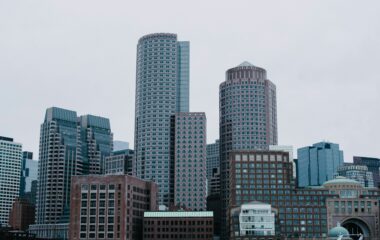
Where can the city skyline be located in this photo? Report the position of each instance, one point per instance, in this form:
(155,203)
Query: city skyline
(315,88)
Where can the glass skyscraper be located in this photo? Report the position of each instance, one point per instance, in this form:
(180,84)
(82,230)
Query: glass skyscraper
(29,174)
(162,89)
(69,145)
(247,119)
(318,163)
(10,171)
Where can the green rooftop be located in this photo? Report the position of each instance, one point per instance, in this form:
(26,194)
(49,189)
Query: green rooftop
(178,214)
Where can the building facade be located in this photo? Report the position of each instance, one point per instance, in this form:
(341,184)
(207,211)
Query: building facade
(247,118)
(252,219)
(22,214)
(120,162)
(10,173)
(373,165)
(110,206)
(190,160)
(288,149)
(96,141)
(29,174)
(213,158)
(69,145)
(318,163)
(178,225)
(353,206)
(266,176)
(359,173)
(162,80)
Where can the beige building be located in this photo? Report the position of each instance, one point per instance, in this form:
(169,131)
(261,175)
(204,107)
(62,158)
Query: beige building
(354,207)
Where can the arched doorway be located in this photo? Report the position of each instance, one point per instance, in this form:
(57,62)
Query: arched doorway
(356,227)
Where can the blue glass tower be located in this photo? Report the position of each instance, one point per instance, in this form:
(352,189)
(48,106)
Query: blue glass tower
(162,89)
(318,163)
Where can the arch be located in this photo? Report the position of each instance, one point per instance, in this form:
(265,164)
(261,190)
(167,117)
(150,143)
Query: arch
(356,226)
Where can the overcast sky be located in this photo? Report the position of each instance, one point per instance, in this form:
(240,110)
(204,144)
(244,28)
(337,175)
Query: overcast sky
(324,57)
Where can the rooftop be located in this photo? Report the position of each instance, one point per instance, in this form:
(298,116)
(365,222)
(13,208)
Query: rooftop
(178,214)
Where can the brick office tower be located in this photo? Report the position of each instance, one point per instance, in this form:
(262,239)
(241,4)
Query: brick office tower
(110,206)
(247,118)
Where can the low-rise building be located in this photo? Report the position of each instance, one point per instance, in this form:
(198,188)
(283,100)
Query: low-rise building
(110,206)
(253,219)
(178,225)
(22,214)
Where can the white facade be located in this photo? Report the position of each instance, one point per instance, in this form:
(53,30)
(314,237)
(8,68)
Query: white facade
(256,219)
(288,149)
(10,174)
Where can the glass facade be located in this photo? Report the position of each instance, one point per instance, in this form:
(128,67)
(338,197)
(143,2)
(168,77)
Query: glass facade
(69,145)
(162,83)
(318,163)
(29,174)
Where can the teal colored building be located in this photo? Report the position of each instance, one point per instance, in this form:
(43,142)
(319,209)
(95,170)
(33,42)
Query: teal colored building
(318,163)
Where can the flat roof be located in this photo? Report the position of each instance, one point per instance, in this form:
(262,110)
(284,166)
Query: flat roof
(178,214)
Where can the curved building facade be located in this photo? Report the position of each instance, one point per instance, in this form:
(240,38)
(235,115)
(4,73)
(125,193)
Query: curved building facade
(247,116)
(162,89)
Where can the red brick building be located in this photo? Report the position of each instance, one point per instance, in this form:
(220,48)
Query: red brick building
(22,214)
(110,206)
(178,225)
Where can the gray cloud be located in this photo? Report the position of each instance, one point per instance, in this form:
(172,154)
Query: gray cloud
(322,55)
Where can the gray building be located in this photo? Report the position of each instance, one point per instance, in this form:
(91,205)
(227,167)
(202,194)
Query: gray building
(69,145)
(29,174)
(247,118)
(189,160)
(359,173)
(10,169)
(162,89)
(373,165)
(318,163)
(120,162)
(213,158)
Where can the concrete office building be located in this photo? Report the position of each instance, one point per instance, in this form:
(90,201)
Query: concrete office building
(252,219)
(29,174)
(373,165)
(162,89)
(189,183)
(120,162)
(318,163)
(10,171)
(110,206)
(359,173)
(178,225)
(69,145)
(247,118)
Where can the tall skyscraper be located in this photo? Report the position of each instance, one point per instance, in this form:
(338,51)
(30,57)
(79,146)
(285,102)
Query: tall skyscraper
(10,170)
(248,118)
(29,174)
(162,89)
(189,160)
(68,146)
(318,163)
(373,165)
